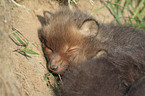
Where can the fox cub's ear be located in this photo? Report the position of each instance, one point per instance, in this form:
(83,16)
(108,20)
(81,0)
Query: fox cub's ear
(89,27)
(101,53)
(47,16)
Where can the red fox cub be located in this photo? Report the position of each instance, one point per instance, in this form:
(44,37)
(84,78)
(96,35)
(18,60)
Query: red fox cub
(72,37)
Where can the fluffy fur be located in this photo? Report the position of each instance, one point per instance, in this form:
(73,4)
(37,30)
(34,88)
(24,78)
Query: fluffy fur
(72,37)
(106,76)
(138,88)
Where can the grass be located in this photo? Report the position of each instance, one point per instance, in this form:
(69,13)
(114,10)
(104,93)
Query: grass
(135,10)
(22,42)
(51,81)
(131,12)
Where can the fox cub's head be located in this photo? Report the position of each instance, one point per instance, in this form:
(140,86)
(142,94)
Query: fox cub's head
(68,39)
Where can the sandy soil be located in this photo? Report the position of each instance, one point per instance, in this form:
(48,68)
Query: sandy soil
(20,76)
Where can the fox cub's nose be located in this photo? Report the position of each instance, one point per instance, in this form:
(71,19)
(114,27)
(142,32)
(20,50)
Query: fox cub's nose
(54,67)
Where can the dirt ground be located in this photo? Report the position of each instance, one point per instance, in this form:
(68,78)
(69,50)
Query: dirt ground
(20,76)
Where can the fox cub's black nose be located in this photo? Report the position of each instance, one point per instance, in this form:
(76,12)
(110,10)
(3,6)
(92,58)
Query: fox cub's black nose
(54,67)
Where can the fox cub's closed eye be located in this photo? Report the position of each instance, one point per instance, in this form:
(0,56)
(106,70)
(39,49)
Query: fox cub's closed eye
(72,50)
(48,50)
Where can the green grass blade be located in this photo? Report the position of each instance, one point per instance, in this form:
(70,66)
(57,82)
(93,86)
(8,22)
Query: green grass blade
(135,12)
(30,51)
(142,11)
(20,41)
(141,25)
(119,12)
(130,19)
(24,54)
(138,8)
(14,29)
(18,44)
(48,78)
(114,13)
(55,83)
(20,35)
(98,9)
(101,8)
(126,5)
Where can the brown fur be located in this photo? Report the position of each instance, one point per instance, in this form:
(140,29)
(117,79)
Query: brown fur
(70,38)
(105,76)
(138,88)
